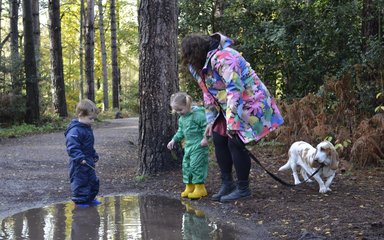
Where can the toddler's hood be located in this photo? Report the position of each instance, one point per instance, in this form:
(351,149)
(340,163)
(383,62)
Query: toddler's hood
(74,123)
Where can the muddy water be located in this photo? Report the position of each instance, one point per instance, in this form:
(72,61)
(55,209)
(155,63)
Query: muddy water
(119,217)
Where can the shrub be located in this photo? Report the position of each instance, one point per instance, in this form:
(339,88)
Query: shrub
(12,109)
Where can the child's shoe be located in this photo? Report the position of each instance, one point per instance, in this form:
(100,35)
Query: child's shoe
(199,213)
(189,188)
(188,207)
(95,202)
(199,192)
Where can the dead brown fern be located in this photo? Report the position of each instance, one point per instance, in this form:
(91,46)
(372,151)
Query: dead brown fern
(367,151)
(369,148)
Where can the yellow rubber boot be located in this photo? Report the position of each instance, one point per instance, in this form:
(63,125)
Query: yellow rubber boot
(199,192)
(199,213)
(188,207)
(189,188)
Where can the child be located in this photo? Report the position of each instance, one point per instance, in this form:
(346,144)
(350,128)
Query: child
(192,125)
(79,142)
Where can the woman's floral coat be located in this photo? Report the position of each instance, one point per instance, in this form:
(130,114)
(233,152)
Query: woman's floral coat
(228,80)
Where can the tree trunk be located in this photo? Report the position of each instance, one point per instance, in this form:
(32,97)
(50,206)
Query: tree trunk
(1,27)
(57,73)
(371,21)
(89,50)
(158,80)
(103,56)
(16,61)
(32,87)
(36,32)
(81,49)
(115,66)
(218,7)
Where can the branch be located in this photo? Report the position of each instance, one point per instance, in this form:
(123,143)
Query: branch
(5,40)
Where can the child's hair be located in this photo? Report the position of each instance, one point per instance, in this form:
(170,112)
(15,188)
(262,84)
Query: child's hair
(86,108)
(181,99)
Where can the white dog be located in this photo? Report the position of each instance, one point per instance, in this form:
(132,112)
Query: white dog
(309,159)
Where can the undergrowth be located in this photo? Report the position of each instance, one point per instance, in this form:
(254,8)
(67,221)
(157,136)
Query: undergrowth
(49,123)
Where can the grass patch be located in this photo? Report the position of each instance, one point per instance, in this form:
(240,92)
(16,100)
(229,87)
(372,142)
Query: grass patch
(140,178)
(51,123)
(24,129)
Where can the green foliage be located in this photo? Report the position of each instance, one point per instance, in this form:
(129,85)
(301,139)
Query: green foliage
(343,144)
(111,114)
(380,108)
(294,46)
(48,125)
(140,178)
(12,109)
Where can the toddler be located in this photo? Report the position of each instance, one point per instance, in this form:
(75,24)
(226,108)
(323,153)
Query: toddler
(82,155)
(192,124)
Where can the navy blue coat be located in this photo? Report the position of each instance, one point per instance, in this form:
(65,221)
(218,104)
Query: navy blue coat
(80,146)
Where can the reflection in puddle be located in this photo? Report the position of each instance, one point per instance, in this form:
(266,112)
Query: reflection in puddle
(119,217)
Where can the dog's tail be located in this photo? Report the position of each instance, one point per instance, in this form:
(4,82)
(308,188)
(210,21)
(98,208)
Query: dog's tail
(285,167)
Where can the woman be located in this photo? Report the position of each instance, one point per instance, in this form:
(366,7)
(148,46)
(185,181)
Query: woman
(239,108)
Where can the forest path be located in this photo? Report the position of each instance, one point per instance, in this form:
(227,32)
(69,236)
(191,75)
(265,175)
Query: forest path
(34,169)
(33,173)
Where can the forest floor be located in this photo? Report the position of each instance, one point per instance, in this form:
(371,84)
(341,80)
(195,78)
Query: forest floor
(33,173)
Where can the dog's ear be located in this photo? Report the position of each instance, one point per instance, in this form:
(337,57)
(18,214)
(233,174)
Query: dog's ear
(334,158)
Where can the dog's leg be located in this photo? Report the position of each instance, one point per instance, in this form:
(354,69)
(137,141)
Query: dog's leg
(305,175)
(310,171)
(294,173)
(329,181)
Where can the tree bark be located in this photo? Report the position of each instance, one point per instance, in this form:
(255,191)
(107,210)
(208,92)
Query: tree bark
(115,66)
(16,61)
(372,18)
(36,32)
(158,80)
(90,50)
(81,50)
(57,72)
(103,55)
(32,87)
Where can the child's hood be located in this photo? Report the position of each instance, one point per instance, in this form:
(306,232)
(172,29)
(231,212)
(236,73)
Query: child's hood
(75,123)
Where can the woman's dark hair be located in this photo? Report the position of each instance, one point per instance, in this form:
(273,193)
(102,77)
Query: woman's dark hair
(194,49)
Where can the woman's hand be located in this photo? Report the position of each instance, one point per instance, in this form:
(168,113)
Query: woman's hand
(204,142)
(231,133)
(171,144)
(208,130)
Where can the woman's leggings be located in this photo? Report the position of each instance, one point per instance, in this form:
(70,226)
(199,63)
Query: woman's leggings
(230,151)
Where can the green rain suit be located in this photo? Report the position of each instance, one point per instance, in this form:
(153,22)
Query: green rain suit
(195,162)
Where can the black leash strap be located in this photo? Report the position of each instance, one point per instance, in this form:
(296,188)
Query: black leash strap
(276,177)
(235,139)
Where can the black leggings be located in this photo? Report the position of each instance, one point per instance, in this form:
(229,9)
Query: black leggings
(230,151)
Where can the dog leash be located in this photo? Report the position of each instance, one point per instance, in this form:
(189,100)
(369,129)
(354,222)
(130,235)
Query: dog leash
(254,158)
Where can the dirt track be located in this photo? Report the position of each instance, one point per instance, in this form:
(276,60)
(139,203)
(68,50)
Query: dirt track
(34,168)
(33,173)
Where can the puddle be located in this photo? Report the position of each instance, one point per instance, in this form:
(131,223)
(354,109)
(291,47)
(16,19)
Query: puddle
(119,217)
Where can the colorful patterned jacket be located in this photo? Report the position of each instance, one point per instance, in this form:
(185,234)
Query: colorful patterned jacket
(231,86)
